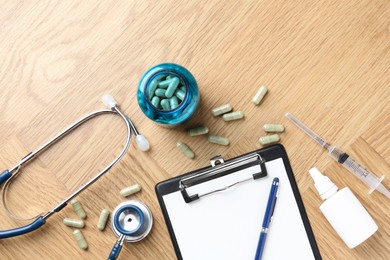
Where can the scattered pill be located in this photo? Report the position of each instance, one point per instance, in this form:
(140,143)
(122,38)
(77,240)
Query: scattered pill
(76,223)
(180,94)
(185,149)
(152,89)
(165,83)
(78,209)
(221,110)
(218,140)
(160,92)
(172,87)
(80,239)
(233,116)
(103,219)
(155,101)
(269,139)
(130,190)
(259,95)
(202,130)
(173,102)
(165,104)
(272,128)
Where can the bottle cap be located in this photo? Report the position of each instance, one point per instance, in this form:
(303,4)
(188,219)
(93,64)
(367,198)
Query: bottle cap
(323,184)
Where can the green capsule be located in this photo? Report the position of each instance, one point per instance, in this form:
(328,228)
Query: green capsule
(160,92)
(80,239)
(269,139)
(165,83)
(76,223)
(155,101)
(218,140)
(180,94)
(174,102)
(233,116)
(78,209)
(202,130)
(172,87)
(152,88)
(165,104)
(103,219)
(221,110)
(259,95)
(186,150)
(273,128)
(160,78)
(130,190)
(183,88)
(169,77)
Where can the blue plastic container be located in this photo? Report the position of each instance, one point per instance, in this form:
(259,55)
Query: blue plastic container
(188,106)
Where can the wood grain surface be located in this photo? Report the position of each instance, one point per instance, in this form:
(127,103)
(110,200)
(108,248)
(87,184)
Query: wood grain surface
(326,62)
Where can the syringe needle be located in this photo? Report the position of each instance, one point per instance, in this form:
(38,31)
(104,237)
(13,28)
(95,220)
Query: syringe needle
(307,130)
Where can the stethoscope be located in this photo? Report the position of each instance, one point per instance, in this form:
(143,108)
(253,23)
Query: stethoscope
(132,221)
(8,175)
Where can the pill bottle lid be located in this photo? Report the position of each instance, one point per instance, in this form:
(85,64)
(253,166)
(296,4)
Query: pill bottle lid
(323,184)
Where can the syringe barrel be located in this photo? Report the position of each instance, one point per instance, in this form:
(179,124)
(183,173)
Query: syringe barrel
(367,177)
(356,169)
(335,153)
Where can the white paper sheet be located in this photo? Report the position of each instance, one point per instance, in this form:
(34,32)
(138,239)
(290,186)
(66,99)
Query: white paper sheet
(226,225)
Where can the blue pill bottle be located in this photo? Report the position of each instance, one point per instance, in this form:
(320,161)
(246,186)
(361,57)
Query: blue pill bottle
(189,95)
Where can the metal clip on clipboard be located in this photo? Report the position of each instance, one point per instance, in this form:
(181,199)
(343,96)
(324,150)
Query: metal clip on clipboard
(221,168)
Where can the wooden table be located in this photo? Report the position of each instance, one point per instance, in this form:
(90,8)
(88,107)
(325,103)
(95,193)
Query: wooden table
(325,62)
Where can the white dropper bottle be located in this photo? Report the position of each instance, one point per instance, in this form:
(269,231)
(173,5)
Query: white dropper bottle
(343,211)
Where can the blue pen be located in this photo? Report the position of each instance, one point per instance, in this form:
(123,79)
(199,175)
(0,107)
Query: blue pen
(273,195)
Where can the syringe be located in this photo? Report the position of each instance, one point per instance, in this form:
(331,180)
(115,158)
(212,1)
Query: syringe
(356,169)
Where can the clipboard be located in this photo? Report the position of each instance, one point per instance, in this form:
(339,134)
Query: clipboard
(216,212)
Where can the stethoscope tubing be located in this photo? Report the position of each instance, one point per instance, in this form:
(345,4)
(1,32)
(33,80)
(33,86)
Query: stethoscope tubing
(59,136)
(104,171)
(116,249)
(41,220)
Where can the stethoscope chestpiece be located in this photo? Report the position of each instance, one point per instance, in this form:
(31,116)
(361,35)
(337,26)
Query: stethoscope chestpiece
(133,219)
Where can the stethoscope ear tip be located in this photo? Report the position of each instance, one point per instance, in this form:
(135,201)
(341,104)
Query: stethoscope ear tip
(109,101)
(142,143)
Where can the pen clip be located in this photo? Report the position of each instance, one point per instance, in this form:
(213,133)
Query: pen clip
(276,198)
